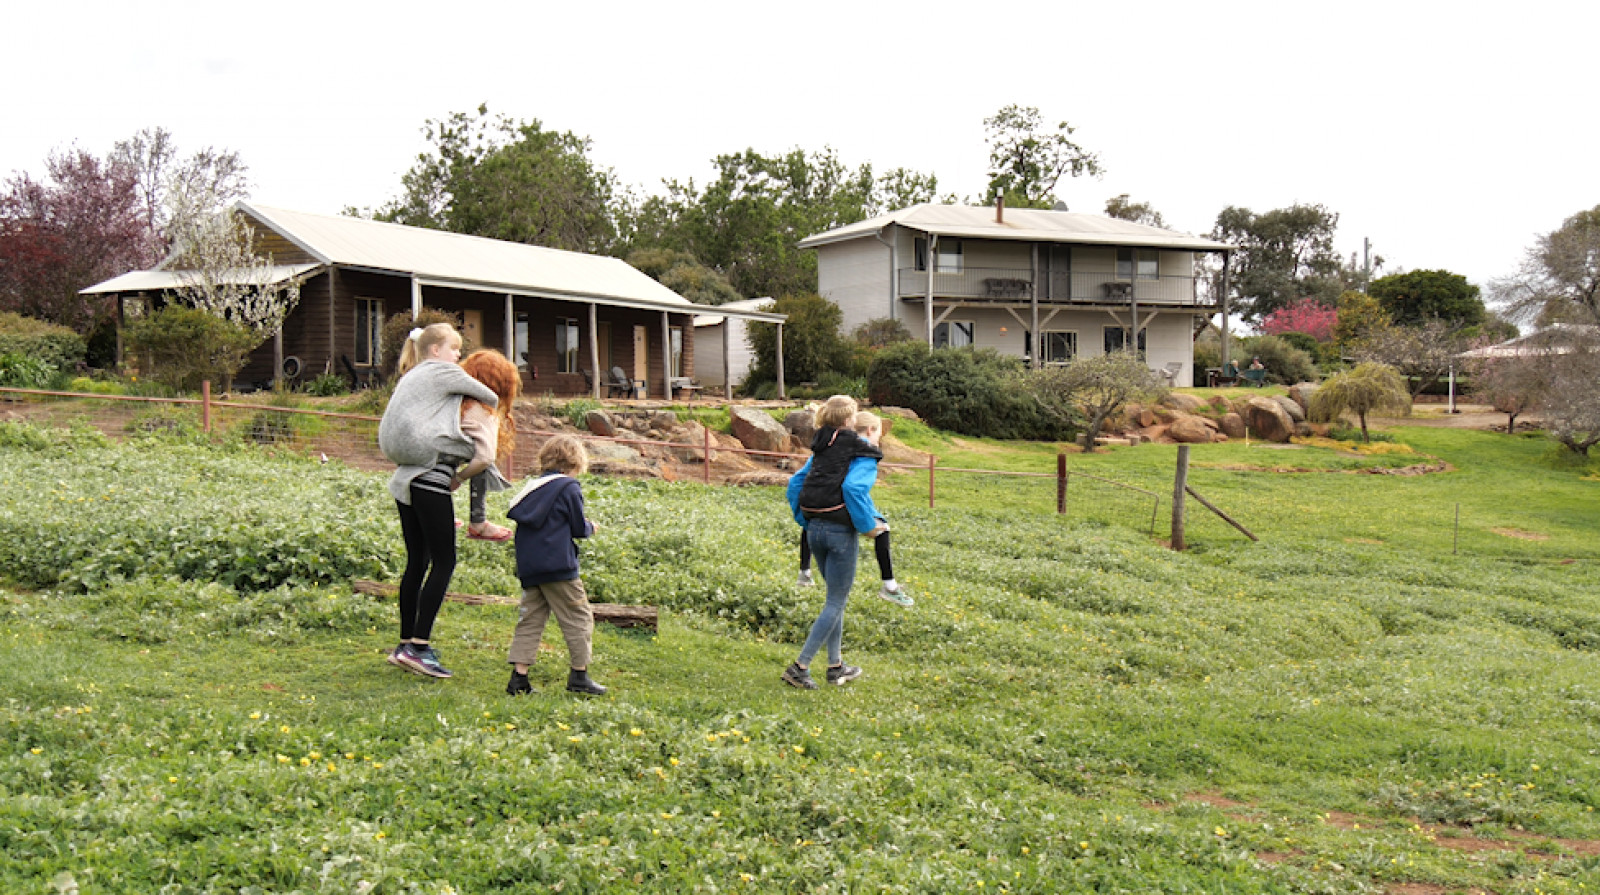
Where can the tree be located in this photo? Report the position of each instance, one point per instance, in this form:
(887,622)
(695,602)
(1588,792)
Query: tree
(1359,316)
(811,341)
(1559,280)
(81,225)
(1284,255)
(1419,295)
(1571,403)
(159,173)
(1512,383)
(683,274)
(220,269)
(1123,208)
(1307,315)
(1425,354)
(1026,161)
(1097,385)
(181,347)
(499,178)
(880,332)
(1369,388)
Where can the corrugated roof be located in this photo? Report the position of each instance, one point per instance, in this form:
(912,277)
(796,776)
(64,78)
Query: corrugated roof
(1020,224)
(745,304)
(460,260)
(160,280)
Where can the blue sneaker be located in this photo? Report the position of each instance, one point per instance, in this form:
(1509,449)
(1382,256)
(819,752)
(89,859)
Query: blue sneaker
(423,660)
(897,596)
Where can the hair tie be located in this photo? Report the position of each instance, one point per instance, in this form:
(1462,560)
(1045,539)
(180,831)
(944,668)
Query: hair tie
(415,334)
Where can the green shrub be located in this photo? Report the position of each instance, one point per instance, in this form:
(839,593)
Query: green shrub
(964,390)
(19,370)
(1285,363)
(1303,341)
(90,385)
(577,410)
(181,347)
(328,385)
(57,346)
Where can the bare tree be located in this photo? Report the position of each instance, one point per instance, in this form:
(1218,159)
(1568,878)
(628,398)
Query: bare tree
(1559,280)
(1424,354)
(163,178)
(1510,380)
(1570,405)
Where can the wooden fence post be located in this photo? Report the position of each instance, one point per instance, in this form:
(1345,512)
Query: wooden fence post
(930,481)
(707,431)
(205,406)
(1179,483)
(1061,483)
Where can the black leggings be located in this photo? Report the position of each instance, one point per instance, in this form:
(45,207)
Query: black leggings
(880,549)
(429,527)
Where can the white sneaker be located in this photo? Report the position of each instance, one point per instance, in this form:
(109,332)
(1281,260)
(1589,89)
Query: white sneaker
(897,596)
(805,578)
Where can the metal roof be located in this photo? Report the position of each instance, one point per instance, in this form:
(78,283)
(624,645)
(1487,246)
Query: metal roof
(162,280)
(746,304)
(455,259)
(1022,225)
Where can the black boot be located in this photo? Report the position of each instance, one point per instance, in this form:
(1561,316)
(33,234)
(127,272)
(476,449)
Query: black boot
(518,685)
(579,682)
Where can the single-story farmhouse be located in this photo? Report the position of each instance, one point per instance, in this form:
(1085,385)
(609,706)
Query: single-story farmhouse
(722,345)
(1042,285)
(566,318)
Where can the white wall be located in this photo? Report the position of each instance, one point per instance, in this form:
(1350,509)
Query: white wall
(855,275)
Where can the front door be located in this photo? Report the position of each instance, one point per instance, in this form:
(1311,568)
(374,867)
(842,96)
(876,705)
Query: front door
(641,355)
(472,328)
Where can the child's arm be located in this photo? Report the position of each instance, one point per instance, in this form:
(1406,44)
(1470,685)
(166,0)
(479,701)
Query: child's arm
(581,526)
(858,482)
(796,482)
(458,382)
(483,428)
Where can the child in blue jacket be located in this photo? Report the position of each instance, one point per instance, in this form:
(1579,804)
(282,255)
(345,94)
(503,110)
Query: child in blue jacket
(549,517)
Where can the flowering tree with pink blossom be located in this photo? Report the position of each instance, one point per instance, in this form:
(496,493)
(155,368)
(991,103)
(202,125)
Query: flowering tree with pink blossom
(1307,315)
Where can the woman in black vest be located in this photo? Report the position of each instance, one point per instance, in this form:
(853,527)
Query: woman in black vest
(831,497)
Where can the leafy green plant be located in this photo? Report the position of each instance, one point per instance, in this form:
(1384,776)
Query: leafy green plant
(576,411)
(20,371)
(328,385)
(181,347)
(968,391)
(56,346)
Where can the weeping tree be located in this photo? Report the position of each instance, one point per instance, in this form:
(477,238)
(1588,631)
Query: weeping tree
(1369,388)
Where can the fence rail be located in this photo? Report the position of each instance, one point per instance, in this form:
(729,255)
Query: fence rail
(352,438)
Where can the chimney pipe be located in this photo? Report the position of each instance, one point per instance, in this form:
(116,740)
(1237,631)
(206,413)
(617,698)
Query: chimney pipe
(999,207)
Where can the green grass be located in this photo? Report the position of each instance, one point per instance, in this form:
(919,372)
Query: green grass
(1044,720)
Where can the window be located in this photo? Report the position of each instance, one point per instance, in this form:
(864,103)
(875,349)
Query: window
(369,323)
(1136,263)
(519,342)
(1059,347)
(675,334)
(948,255)
(1117,339)
(566,345)
(953,334)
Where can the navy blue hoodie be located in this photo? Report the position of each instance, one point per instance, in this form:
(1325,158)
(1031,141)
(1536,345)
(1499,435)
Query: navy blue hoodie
(549,515)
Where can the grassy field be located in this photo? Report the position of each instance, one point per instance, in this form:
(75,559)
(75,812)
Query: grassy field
(1369,699)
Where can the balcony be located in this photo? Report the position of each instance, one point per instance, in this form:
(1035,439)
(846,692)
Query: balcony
(1003,285)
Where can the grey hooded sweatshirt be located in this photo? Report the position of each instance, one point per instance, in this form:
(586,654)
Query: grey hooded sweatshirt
(422,424)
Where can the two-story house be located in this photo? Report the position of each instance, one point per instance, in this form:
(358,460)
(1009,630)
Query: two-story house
(1048,286)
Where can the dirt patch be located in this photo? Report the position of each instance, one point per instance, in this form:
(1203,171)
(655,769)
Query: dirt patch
(1346,821)
(1215,799)
(1520,534)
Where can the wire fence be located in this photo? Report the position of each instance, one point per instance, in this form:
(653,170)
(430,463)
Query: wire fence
(352,438)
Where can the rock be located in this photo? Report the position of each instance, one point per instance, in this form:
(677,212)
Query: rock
(612,452)
(899,412)
(757,430)
(1232,425)
(1220,402)
(601,423)
(1291,407)
(661,420)
(1301,392)
(802,424)
(1267,420)
(693,436)
(1181,402)
(1188,429)
(1141,417)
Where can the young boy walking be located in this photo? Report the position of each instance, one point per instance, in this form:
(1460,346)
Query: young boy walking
(549,517)
(869,426)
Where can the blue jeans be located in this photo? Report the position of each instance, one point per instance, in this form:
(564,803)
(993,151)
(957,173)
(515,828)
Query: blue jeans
(833,548)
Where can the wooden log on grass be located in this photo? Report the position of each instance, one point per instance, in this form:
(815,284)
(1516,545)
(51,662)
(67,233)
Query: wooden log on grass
(615,614)
(1225,517)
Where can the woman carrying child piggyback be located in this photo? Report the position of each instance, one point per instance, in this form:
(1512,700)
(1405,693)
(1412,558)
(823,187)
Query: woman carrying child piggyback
(421,434)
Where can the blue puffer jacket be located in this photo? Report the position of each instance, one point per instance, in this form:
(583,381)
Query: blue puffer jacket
(549,516)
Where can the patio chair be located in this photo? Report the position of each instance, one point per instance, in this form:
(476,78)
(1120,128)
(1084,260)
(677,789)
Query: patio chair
(1170,373)
(1257,378)
(620,386)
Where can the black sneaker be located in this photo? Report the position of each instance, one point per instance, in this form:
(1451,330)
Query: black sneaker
(579,682)
(843,674)
(394,655)
(795,676)
(422,660)
(518,685)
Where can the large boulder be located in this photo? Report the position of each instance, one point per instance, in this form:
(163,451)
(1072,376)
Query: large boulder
(1232,425)
(757,430)
(1187,429)
(1301,392)
(1291,407)
(1181,402)
(802,424)
(1267,420)
(601,423)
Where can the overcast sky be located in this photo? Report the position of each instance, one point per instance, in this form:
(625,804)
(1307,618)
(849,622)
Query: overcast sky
(1449,134)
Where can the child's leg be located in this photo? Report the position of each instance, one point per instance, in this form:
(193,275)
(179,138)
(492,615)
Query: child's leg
(805,552)
(435,513)
(416,568)
(570,603)
(531,618)
(880,549)
(478,502)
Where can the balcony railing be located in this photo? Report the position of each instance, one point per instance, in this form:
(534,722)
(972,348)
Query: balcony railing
(1004,284)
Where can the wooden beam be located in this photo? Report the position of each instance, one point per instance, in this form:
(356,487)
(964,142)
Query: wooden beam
(1225,517)
(617,614)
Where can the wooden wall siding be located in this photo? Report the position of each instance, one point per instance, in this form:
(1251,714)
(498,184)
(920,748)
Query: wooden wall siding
(305,332)
(282,250)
